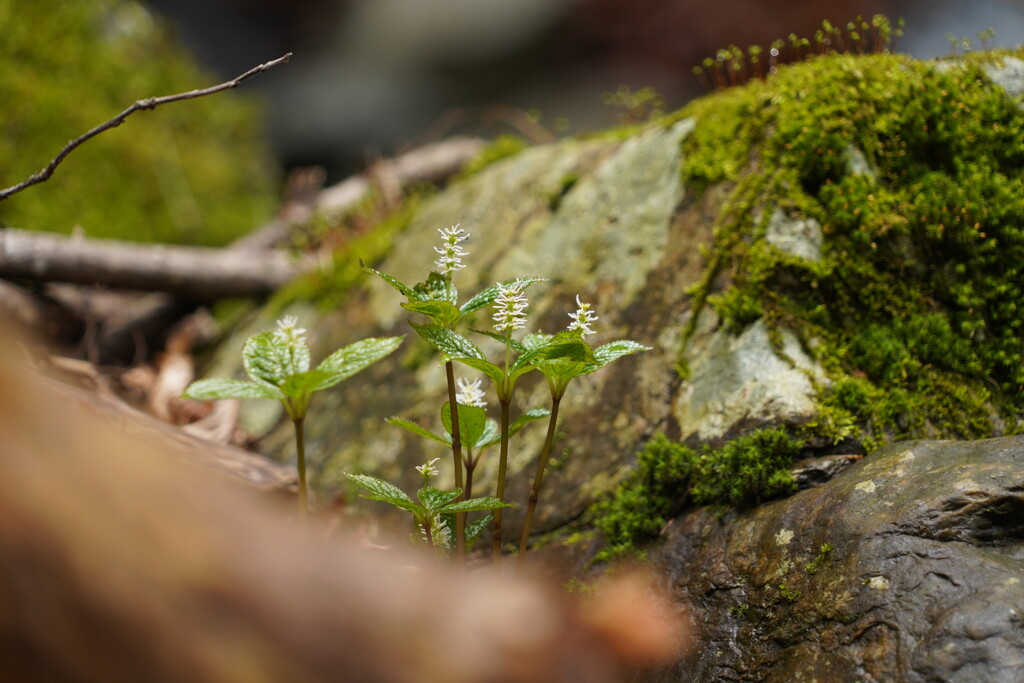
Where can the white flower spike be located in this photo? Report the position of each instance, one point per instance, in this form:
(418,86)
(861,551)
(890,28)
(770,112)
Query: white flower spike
(582,318)
(509,306)
(288,332)
(428,469)
(469,393)
(450,251)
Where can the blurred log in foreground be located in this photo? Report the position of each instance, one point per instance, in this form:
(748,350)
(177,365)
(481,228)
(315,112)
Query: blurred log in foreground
(118,563)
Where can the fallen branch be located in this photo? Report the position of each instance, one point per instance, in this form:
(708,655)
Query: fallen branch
(151,103)
(194,273)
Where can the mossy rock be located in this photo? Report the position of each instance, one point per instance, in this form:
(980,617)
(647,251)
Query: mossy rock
(195,172)
(851,225)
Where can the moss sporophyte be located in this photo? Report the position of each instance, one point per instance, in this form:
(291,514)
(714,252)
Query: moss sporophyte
(278,364)
(468,430)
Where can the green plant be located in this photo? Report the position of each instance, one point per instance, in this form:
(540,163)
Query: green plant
(279,364)
(560,358)
(434,510)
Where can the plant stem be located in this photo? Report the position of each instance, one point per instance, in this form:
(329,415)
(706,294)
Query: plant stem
(460,518)
(538,481)
(502,465)
(300,448)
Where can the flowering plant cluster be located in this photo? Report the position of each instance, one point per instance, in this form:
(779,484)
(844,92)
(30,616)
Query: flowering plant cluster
(278,364)
(469,432)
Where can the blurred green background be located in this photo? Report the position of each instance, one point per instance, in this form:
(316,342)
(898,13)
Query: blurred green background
(192,172)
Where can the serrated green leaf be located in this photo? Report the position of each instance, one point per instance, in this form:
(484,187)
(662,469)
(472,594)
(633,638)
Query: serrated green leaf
(378,489)
(473,505)
(416,429)
(535,340)
(452,345)
(355,357)
(488,295)
(507,341)
(394,282)
(270,360)
(617,349)
(212,389)
(433,499)
(441,312)
(437,288)
(471,422)
(485,366)
(474,529)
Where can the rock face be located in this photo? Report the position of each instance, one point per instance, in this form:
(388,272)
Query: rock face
(606,219)
(924,580)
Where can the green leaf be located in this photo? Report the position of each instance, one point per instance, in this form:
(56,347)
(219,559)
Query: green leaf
(433,499)
(416,429)
(471,422)
(437,288)
(394,282)
(349,360)
(474,529)
(441,312)
(378,489)
(212,389)
(490,435)
(488,295)
(270,360)
(560,370)
(305,383)
(451,344)
(474,504)
(507,341)
(485,366)
(617,349)
(535,340)
(524,419)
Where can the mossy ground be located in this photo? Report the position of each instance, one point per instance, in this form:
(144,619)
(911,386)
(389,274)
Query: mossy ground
(914,306)
(188,172)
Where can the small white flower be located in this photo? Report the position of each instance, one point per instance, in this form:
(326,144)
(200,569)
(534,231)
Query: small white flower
(450,251)
(439,532)
(288,332)
(582,318)
(509,307)
(470,393)
(428,469)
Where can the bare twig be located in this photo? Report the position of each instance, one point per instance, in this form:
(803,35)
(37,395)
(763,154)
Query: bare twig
(151,103)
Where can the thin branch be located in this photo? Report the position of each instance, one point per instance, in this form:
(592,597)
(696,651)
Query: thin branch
(151,103)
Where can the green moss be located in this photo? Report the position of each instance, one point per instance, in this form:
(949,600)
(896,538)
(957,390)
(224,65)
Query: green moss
(502,147)
(824,555)
(329,285)
(747,470)
(188,172)
(915,303)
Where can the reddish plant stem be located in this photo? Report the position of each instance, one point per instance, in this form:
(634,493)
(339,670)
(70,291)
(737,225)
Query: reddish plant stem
(538,481)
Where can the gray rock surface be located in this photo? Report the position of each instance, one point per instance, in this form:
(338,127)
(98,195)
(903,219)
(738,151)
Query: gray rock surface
(924,582)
